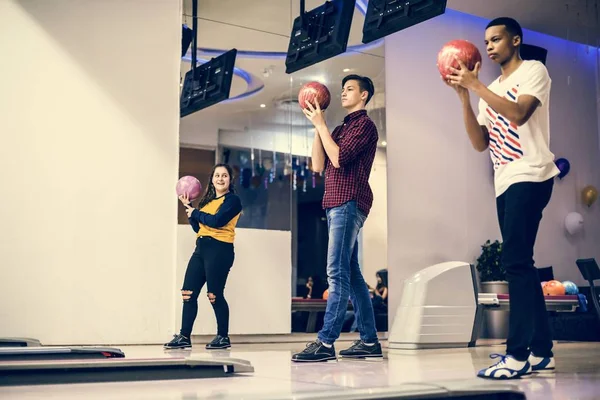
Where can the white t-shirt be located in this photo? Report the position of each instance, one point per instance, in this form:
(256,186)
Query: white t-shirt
(520,153)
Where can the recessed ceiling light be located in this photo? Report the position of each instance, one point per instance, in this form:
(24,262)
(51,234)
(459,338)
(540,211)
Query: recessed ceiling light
(263,105)
(346,69)
(384,143)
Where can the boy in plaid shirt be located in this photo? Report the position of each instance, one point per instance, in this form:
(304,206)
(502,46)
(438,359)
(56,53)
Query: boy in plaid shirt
(346,155)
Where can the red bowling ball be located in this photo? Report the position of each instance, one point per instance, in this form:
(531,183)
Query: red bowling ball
(466,51)
(311,91)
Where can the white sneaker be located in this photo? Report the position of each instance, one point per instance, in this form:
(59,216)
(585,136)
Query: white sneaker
(506,368)
(541,364)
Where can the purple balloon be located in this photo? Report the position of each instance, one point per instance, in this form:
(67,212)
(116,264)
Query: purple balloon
(564,166)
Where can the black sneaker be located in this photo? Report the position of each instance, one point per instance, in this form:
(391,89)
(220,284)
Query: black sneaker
(219,342)
(178,342)
(360,350)
(315,352)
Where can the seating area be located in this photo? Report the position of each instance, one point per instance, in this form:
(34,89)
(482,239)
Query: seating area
(308,314)
(572,317)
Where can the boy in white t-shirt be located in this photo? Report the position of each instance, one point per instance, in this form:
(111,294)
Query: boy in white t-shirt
(513,122)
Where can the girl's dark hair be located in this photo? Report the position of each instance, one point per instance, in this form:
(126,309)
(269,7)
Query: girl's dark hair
(210,193)
(383,273)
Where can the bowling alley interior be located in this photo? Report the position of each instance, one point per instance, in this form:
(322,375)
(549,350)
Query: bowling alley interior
(144,139)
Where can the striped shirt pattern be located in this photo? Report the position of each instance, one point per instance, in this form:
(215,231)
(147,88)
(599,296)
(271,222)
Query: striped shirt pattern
(505,143)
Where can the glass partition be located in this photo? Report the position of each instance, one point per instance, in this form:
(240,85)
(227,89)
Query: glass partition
(263,134)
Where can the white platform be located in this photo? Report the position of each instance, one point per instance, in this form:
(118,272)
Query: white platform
(432,316)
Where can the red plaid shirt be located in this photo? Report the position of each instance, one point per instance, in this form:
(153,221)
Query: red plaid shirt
(357,139)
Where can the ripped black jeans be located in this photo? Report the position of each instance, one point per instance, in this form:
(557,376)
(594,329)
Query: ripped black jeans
(210,263)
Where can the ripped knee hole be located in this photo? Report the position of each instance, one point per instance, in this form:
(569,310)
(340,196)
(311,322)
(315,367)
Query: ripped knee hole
(211,297)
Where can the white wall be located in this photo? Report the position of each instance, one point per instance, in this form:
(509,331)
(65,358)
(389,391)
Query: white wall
(198,132)
(374,233)
(440,191)
(258,288)
(89,124)
(574,135)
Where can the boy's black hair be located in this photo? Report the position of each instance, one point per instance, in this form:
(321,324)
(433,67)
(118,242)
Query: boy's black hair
(512,26)
(364,84)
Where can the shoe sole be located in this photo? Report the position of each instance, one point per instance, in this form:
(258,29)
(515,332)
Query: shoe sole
(322,360)
(218,348)
(363,356)
(176,347)
(505,378)
(544,371)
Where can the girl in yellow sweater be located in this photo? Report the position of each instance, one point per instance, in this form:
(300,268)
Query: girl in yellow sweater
(214,221)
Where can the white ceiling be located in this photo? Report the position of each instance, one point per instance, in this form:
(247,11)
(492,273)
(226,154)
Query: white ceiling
(574,20)
(265,25)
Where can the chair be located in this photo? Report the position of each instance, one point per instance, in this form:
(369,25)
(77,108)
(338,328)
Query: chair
(590,271)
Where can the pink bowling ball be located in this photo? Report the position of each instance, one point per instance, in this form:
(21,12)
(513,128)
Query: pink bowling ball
(190,185)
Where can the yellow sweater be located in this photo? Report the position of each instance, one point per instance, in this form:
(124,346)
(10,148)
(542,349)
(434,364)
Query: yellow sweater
(218,218)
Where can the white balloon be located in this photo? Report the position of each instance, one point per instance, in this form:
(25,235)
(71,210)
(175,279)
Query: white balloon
(573,222)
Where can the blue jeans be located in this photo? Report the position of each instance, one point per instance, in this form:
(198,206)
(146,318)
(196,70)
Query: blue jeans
(344,276)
